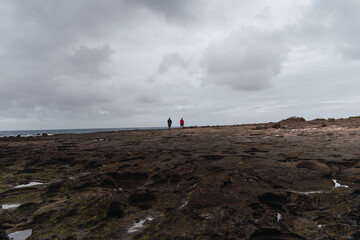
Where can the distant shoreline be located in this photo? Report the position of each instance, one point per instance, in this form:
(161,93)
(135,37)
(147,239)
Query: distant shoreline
(29,133)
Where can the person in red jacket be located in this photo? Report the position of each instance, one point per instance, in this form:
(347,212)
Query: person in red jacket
(181,122)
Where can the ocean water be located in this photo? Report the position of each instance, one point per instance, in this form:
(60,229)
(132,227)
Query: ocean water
(28,133)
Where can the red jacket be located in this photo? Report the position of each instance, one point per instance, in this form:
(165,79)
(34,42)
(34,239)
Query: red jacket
(181,122)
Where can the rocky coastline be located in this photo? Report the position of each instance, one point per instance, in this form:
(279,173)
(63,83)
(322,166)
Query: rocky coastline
(293,179)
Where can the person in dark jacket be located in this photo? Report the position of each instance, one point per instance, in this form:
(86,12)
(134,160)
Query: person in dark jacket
(169,123)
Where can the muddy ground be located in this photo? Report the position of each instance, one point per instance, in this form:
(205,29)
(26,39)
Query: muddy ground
(287,180)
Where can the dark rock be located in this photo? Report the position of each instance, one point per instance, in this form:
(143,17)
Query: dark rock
(356,235)
(83,185)
(55,187)
(174,178)
(64,159)
(70,238)
(258,210)
(255,150)
(273,234)
(307,165)
(143,201)
(276,125)
(294,119)
(273,200)
(212,157)
(43,217)
(129,180)
(355,214)
(226,183)
(355,193)
(3,235)
(116,209)
(107,182)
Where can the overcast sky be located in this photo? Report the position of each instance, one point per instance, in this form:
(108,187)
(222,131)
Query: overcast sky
(134,63)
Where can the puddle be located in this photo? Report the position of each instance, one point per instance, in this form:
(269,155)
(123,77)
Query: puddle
(206,216)
(20,235)
(137,226)
(309,192)
(337,185)
(118,189)
(98,139)
(183,204)
(8,206)
(28,185)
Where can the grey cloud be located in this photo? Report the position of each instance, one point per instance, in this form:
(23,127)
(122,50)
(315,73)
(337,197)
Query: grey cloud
(331,24)
(171,60)
(147,97)
(52,58)
(247,60)
(86,62)
(173,11)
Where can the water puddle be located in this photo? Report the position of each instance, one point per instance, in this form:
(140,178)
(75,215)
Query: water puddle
(28,185)
(309,192)
(20,235)
(137,226)
(337,185)
(98,139)
(183,204)
(8,206)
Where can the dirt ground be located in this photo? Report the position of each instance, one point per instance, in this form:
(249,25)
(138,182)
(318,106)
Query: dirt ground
(293,179)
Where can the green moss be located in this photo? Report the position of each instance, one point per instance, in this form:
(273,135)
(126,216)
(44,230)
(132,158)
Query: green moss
(145,237)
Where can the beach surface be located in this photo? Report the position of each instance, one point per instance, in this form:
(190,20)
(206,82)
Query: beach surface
(293,179)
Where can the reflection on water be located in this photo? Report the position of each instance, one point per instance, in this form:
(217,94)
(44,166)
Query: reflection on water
(184,204)
(309,192)
(7,206)
(28,185)
(339,185)
(20,235)
(139,225)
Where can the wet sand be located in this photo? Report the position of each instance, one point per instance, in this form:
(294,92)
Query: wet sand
(287,180)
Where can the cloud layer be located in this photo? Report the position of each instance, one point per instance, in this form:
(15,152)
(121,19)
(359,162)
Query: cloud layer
(247,60)
(124,63)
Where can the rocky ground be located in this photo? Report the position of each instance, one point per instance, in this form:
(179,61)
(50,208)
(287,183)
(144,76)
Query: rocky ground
(287,180)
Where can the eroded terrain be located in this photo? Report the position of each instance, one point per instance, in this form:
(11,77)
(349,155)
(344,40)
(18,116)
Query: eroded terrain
(288,180)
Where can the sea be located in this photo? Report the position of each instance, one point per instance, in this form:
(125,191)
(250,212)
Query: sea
(29,133)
